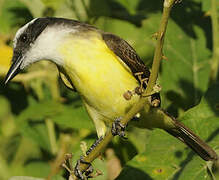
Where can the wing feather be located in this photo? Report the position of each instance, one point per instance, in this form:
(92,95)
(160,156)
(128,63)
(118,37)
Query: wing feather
(127,54)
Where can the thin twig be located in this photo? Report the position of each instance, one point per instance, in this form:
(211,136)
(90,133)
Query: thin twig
(52,137)
(56,164)
(152,81)
(215,33)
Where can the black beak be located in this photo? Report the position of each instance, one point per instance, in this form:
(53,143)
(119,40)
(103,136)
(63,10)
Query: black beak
(14,69)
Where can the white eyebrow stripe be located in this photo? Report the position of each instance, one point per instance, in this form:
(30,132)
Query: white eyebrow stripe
(21,30)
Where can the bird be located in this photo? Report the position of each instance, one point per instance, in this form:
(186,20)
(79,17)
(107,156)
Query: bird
(102,68)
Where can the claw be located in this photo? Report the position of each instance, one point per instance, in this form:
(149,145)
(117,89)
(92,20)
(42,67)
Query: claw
(89,171)
(79,174)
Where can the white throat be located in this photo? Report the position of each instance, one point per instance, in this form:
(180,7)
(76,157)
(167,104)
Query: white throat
(46,45)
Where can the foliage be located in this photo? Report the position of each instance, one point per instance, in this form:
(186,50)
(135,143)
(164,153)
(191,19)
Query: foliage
(41,120)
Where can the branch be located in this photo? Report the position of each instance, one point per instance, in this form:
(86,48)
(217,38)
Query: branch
(152,81)
(215,32)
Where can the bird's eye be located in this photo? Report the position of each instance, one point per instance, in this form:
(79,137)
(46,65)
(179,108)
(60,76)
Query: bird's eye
(23,38)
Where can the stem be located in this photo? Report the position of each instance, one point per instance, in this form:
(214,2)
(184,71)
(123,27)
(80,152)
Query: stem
(49,123)
(86,9)
(53,85)
(152,81)
(159,49)
(74,9)
(215,31)
(56,164)
(52,137)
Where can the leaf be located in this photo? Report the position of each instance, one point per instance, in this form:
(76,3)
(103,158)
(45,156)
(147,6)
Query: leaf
(126,10)
(5,109)
(37,132)
(73,117)
(37,169)
(98,8)
(130,5)
(65,115)
(204,118)
(138,37)
(31,124)
(167,158)
(31,5)
(157,162)
(52,3)
(24,178)
(39,111)
(58,177)
(13,14)
(185,74)
(206,5)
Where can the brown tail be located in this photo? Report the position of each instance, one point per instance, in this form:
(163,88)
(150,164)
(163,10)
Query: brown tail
(193,141)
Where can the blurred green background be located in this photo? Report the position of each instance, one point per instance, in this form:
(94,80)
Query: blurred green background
(41,120)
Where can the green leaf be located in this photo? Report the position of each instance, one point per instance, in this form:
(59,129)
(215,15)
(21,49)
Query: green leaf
(159,161)
(31,124)
(140,38)
(37,169)
(167,158)
(52,3)
(5,107)
(58,177)
(185,74)
(98,8)
(204,118)
(74,117)
(39,111)
(65,10)
(31,5)
(206,5)
(37,132)
(12,14)
(130,5)
(64,115)
(24,178)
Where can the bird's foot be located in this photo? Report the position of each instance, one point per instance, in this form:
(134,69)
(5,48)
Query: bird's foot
(79,174)
(118,128)
(88,172)
(67,164)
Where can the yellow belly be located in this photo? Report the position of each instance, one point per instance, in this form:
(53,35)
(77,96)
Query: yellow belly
(98,75)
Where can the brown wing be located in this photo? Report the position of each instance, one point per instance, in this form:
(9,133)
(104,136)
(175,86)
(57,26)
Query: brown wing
(127,54)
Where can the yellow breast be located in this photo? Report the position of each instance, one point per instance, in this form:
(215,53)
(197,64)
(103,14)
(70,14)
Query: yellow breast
(98,75)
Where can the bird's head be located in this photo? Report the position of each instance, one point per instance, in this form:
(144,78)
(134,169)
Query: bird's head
(39,39)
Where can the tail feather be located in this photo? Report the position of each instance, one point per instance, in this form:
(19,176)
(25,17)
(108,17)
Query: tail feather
(193,141)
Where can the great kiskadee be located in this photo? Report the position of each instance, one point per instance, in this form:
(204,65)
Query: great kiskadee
(101,67)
